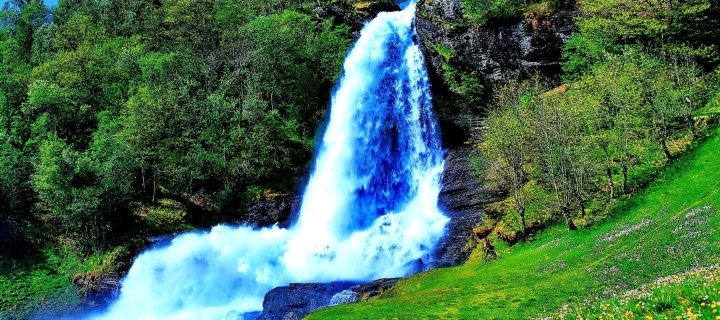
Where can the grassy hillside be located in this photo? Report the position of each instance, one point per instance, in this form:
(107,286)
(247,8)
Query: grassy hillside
(669,228)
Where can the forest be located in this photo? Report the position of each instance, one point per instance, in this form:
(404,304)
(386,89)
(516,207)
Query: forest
(108,107)
(126,119)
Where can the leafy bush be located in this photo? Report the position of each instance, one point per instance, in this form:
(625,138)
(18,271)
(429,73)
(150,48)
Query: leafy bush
(482,11)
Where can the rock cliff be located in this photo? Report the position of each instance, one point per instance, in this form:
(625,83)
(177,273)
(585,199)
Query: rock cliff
(462,198)
(352,12)
(496,51)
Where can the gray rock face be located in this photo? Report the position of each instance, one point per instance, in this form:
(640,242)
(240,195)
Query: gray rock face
(354,13)
(510,48)
(462,198)
(299,299)
(496,51)
(268,212)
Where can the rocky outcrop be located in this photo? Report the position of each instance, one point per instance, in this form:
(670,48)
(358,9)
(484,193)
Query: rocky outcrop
(299,299)
(267,212)
(98,290)
(462,198)
(353,12)
(496,51)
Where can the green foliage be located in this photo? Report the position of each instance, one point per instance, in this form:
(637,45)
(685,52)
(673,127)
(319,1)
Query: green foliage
(583,52)
(669,25)
(591,140)
(482,11)
(38,284)
(459,79)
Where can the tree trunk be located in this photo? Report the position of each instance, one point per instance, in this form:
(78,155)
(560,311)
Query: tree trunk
(665,149)
(625,178)
(568,218)
(154,187)
(691,123)
(144,194)
(521,211)
(582,208)
(611,184)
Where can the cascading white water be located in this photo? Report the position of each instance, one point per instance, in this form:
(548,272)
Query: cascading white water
(343,297)
(369,210)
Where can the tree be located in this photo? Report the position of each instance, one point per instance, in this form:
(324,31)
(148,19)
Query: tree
(668,24)
(557,131)
(52,183)
(507,147)
(615,101)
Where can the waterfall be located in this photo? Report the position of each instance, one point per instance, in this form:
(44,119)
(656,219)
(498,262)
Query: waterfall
(369,210)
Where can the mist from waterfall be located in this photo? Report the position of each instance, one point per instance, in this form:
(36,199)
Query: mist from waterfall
(369,210)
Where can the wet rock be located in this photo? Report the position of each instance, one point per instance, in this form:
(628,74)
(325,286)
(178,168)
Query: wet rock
(98,290)
(298,300)
(268,212)
(367,291)
(354,13)
(504,47)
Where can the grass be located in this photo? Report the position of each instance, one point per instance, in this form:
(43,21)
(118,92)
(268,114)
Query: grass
(668,228)
(690,295)
(40,284)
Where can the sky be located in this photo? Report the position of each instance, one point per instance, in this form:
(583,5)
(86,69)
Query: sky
(49,3)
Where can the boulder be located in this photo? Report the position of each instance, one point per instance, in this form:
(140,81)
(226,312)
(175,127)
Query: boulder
(300,299)
(98,290)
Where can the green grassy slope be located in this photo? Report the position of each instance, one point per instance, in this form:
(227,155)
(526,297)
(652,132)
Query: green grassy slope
(669,228)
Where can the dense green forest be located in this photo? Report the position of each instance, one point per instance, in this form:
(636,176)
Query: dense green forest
(108,106)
